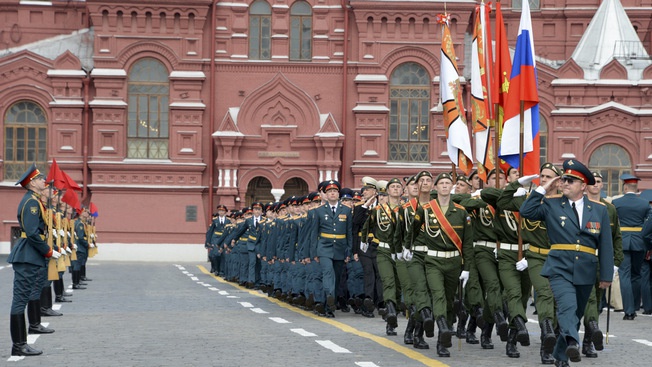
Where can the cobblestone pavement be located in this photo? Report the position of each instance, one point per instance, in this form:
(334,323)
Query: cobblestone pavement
(166,314)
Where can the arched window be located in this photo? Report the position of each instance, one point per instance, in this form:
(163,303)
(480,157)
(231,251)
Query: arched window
(534,4)
(409,115)
(260,28)
(611,161)
(543,140)
(301,31)
(26,131)
(147,117)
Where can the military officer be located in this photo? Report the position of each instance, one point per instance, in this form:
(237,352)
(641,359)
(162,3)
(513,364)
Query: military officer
(579,231)
(81,236)
(213,235)
(28,259)
(332,235)
(362,252)
(443,229)
(632,213)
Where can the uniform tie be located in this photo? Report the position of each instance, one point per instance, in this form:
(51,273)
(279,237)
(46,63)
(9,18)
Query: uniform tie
(577,216)
(256,220)
(333,207)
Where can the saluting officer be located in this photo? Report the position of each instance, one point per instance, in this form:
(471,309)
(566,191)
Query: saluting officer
(579,230)
(28,258)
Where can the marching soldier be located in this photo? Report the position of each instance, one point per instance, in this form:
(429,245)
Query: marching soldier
(28,258)
(213,235)
(362,251)
(579,231)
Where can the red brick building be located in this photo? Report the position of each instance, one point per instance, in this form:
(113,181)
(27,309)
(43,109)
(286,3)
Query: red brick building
(163,109)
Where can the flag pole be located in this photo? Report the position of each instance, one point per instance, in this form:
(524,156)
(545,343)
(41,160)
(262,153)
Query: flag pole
(520,171)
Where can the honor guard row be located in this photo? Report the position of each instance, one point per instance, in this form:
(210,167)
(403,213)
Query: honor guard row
(446,252)
(52,239)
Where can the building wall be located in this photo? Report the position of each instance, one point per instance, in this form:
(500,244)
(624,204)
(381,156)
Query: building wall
(280,120)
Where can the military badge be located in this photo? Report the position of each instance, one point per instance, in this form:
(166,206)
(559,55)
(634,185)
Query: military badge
(593,227)
(33,210)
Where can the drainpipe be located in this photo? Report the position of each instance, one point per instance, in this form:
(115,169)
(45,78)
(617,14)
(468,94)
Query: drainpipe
(211,116)
(345,74)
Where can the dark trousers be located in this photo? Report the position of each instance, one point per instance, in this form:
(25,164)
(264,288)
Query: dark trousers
(571,302)
(630,280)
(373,288)
(27,285)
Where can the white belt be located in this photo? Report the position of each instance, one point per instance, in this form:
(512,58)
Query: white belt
(443,254)
(383,245)
(421,248)
(485,243)
(513,246)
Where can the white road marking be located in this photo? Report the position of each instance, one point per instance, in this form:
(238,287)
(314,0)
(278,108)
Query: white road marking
(280,320)
(31,339)
(213,289)
(194,278)
(366,364)
(332,346)
(232,297)
(56,307)
(302,332)
(643,341)
(246,304)
(15,358)
(190,275)
(186,272)
(258,310)
(45,324)
(2,267)
(224,293)
(206,285)
(182,268)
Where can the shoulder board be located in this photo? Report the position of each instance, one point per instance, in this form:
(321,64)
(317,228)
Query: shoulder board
(359,203)
(555,196)
(458,206)
(597,202)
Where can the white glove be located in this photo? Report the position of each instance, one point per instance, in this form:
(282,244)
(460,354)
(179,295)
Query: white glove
(56,254)
(476,193)
(464,277)
(520,192)
(453,190)
(364,247)
(92,244)
(525,180)
(521,265)
(74,246)
(92,235)
(407,254)
(68,233)
(615,271)
(68,250)
(399,256)
(393,257)
(62,233)
(496,253)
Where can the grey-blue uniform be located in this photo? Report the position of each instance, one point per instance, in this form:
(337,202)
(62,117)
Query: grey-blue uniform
(81,238)
(213,235)
(632,213)
(248,233)
(333,238)
(28,258)
(575,252)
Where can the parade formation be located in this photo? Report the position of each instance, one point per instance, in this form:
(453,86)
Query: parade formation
(448,253)
(55,236)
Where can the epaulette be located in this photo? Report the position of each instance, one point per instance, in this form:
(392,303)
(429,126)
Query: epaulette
(358,203)
(459,206)
(555,196)
(597,202)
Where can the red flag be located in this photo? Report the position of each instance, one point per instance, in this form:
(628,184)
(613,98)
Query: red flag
(70,183)
(481,69)
(71,198)
(56,176)
(93,210)
(457,132)
(501,72)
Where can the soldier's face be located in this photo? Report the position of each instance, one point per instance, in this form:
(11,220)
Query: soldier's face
(394,190)
(332,195)
(595,189)
(221,212)
(383,199)
(412,189)
(462,187)
(491,181)
(425,184)
(475,182)
(546,175)
(368,193)
(572,188)
(444,187)
(513,175)
(258,211)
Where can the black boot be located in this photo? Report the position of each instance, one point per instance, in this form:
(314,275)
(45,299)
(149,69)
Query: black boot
(522,335)
(442,351)
(391,314)
(470,332)
(587,347)
(595,335)
(419,343)
(460,331)
(46,303)
(445,333)
(510,347)
(501,325)
(75,280)
(19,337)
(34,316)
(408,337)
(58,291)
(428,322)
(548,337)
(82,274)
(478,318)
(485,336)
(390,330)
(546,358)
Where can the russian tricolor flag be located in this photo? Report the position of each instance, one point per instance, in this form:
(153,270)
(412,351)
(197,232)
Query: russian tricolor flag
(522,88)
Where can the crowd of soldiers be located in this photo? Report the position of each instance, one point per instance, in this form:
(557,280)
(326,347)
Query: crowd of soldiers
(54,238)
(446,250)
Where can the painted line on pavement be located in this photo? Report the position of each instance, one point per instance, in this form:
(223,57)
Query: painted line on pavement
(15,358)
(206,285)
(258,310)
(56,306)
(190,275)
(246,304)
(643,341)
(194,278)
(280,320)
(366,364)
(224,293)
(303,332)
(332,346)
(213,289)
(232,297)
(387,343)
(31,338)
